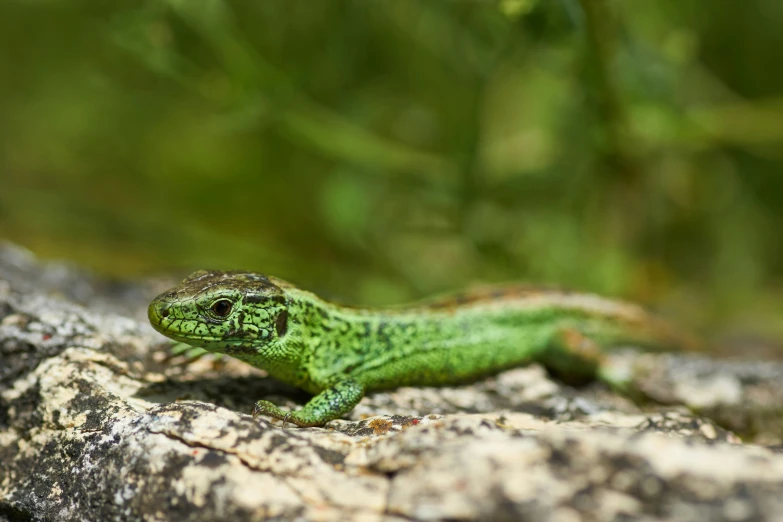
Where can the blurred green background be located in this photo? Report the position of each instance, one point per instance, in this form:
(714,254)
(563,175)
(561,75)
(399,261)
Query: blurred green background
(383,150)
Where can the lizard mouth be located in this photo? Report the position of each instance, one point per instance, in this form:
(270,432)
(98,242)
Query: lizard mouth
(158,313)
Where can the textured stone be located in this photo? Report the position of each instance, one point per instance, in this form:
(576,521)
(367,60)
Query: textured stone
(97,424)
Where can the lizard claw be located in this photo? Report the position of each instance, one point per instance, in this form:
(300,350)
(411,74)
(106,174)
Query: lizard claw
(258,409)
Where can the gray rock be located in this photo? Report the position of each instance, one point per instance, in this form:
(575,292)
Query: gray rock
(97,424)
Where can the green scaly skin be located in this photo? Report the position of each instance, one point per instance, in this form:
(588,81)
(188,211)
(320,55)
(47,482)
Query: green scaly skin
(339,353)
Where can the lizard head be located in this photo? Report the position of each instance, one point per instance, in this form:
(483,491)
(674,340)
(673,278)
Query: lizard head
(226,312)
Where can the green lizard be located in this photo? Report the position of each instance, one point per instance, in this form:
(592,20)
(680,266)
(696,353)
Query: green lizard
(339,353)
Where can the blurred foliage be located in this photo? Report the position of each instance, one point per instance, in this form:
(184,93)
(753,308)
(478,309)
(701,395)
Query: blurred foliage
(381,150)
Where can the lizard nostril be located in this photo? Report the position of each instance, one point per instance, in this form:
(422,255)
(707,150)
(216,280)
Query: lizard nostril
(164,312)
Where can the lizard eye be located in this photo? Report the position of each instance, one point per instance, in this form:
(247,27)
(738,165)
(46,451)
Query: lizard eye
(221,307)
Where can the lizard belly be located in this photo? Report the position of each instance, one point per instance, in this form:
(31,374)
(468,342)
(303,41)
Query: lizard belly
(451,361)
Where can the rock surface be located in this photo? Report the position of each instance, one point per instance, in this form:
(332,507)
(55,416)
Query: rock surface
(96,424)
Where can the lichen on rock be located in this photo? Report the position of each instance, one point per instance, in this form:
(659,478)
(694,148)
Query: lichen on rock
(96,424)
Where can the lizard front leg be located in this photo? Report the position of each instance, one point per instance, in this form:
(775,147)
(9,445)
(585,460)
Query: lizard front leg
(333,402)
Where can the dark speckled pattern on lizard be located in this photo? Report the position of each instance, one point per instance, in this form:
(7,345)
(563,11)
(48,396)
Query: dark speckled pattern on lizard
(338,353)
